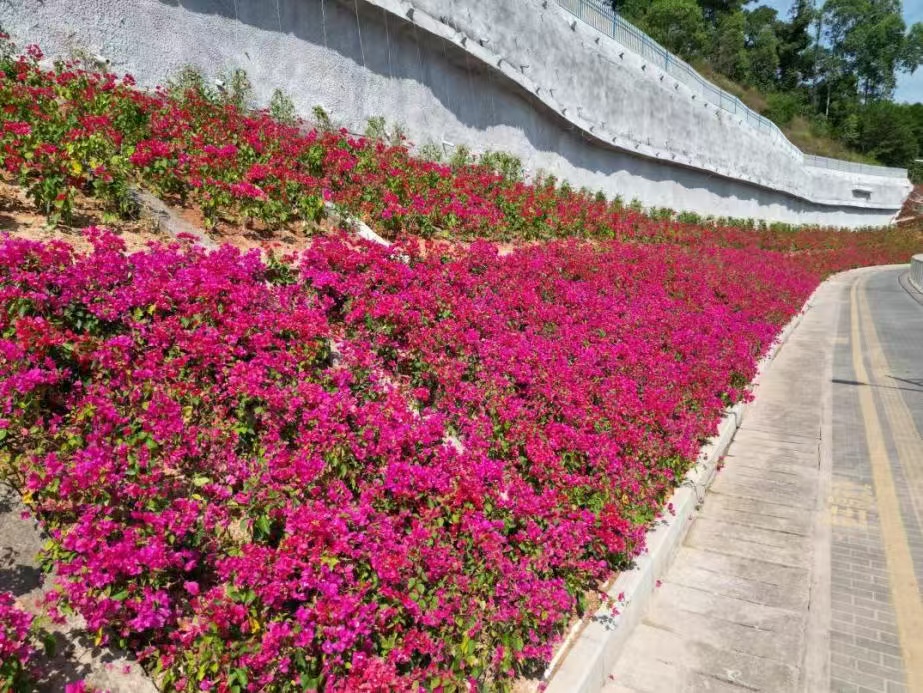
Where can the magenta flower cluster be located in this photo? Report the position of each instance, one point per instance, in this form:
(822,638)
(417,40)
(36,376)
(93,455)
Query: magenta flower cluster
(371,468)
(17,652)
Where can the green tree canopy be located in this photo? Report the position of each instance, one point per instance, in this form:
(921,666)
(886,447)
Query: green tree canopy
(871,39)
(764,58)
(730,46)
(887,131)
(796,57)
(678,25)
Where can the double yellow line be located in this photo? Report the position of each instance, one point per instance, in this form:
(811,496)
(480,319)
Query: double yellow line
(905,591)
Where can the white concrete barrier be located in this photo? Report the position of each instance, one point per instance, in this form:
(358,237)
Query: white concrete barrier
(520,76)
(916,272)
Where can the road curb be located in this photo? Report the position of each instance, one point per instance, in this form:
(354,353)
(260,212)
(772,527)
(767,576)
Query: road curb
(593,646)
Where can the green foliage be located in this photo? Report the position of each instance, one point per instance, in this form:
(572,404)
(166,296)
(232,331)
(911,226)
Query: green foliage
(689,218)
(661,213)
(730,46)
(431,152)
(912,56)
(321,119)
(281,108)
(678,25)
(796,59)
(235,88)
(461,156)
(189,79)
(783,106)
(764,61)
(886,131)
(870,38)
(507,165)
(915,173)
(714,10)
(376,128)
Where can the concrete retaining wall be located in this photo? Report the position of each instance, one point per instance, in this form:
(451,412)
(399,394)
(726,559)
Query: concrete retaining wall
(522,76)
(916,272)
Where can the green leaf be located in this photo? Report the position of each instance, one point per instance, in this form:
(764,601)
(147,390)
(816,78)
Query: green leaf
(49,643)
(262,526)
(241,676)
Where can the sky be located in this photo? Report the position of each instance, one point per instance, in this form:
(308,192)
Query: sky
(909,87)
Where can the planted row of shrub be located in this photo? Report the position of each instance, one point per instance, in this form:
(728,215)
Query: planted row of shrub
(68,129)
(361,472)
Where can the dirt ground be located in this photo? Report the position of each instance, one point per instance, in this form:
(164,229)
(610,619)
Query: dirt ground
(19,217)
(912,211)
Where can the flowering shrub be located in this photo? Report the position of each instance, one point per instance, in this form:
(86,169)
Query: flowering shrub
(358,473)
(364,469)
(68,129)
(16,649)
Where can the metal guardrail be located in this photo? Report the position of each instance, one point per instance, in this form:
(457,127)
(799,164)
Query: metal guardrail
(604,19)
(840,165)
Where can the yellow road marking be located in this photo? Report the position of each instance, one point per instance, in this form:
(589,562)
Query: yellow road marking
(905,593)
(904,432)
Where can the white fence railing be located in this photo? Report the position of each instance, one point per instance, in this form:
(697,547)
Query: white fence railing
(600,15)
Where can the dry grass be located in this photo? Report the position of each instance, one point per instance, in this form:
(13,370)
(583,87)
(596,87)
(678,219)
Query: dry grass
(803,135)
(752,97)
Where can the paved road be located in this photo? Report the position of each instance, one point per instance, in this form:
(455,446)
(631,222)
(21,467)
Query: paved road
(803,569)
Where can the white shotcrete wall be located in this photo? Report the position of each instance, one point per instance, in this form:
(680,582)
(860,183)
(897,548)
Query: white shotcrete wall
(521,76)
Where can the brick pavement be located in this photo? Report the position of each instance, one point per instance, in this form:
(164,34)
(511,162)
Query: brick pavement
(789,576)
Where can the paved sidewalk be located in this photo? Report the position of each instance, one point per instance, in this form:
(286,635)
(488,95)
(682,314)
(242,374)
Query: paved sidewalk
(801,571)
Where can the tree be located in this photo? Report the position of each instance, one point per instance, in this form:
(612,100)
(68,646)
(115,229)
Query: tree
(713,10)
(632,10)
(838,88)
(796,60)
(759,18)
(886,132)
(678,25)
(763,57)
(916,115)
(913,49)
(730,46)
(870,38)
